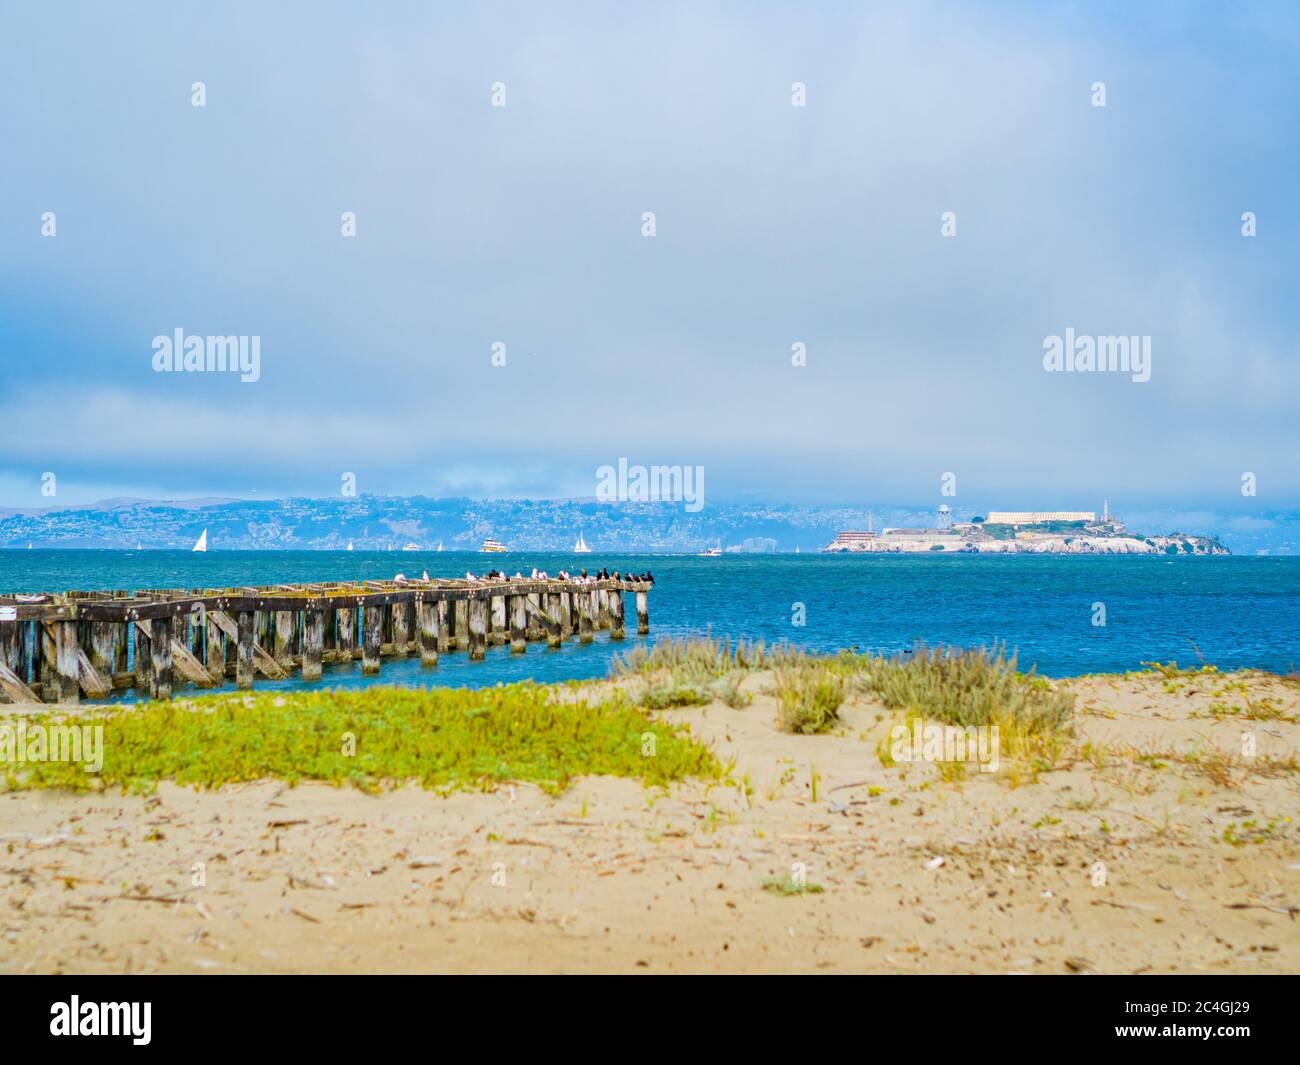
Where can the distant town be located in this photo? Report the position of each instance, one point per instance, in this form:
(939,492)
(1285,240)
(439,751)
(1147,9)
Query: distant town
(1067,532)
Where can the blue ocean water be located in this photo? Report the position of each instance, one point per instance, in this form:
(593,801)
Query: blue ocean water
(1237,611)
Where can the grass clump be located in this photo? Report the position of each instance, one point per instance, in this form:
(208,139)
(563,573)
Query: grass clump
(808,696)
(974,687)
(443,738)
(786,886)
(680,672)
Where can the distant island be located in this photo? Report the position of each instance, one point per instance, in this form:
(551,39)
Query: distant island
(1025,532)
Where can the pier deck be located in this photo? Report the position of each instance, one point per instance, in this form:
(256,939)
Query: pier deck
(61,648)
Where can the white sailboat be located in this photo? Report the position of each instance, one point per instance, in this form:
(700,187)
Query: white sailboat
(439,545)
(581,548)
(201,544)
(349,545)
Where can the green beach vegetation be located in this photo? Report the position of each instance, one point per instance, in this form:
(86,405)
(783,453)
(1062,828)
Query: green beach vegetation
(951,686)
(445,739)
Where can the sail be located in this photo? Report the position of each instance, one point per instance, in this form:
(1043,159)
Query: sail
(202,543)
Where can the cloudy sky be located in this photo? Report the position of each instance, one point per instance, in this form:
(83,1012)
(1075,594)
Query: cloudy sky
(775,225)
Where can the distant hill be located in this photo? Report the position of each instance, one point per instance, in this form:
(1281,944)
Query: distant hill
(380,522)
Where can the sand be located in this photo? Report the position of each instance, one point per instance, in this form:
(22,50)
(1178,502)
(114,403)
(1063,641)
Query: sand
(990,873)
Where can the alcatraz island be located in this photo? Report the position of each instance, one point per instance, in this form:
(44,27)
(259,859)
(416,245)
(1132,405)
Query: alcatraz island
(1041,532)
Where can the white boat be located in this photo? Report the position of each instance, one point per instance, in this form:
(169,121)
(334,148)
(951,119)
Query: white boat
(138,547)
(349,545)
(493,546)
(412,547)
(712,552)
(581,548)
(439,545)
(201,544)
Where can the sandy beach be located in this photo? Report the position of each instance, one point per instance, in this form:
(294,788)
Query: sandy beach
(1155,847)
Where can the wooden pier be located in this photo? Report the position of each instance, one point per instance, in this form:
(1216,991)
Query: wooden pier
(61,648)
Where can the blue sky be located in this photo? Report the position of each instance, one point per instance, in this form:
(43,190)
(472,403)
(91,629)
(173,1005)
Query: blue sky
(775,225)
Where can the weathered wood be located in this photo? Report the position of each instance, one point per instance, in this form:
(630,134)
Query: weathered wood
(615,614)
(183,660)
(426,611)
(497,633)
(13,689)
(462,624)
(478,622)
(160,658)
(518,624)
(142,660)
(214,650)
(103,646)
(283,636)
(95,630)
(642,613)
(246,646)
(547,618)
(347,636)
(534,600)
(401,629)
(262,658)
(313,642)
(49,676)
(372,620)
(583,603)
(95,684)
(444,636)
(11,651)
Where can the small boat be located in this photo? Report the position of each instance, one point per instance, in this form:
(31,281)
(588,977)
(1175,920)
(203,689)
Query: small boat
(138,547)
(412,547)
(201,544)
(581,548)
(493,546)
(439,545)
(349,545)
(712,552)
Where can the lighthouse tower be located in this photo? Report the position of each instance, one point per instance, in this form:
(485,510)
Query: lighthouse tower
(945,517)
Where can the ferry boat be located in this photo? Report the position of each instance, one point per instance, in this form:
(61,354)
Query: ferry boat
(493,546)
(581,548)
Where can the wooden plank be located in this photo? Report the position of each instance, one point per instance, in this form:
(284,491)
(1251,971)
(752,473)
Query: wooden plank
(313,640)
(401,629)
(261,657)
(95,684)
(426,618)
(12,688)
(282,639)
(160,658)
(583,603)
(372,620)
(246,649)
(518,624)
(478,622)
